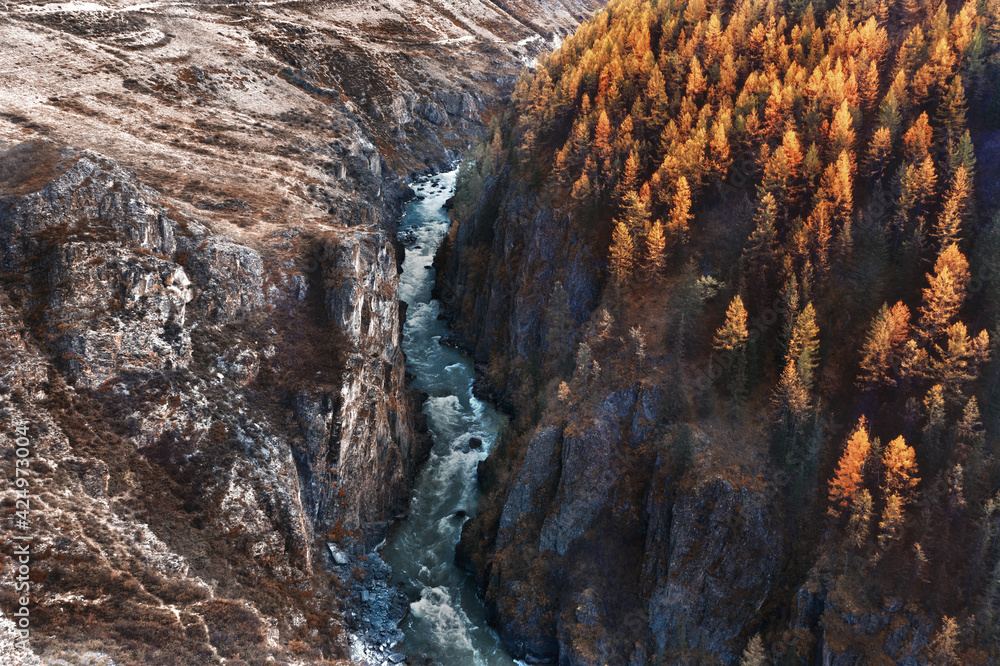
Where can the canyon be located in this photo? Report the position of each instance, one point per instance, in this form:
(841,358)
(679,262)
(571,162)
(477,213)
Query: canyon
(500,332)
(201,324)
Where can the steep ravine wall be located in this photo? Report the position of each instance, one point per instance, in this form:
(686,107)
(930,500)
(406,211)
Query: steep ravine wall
(208,411)
(586,550)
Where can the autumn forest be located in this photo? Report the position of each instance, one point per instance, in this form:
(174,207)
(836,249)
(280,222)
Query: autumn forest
(783,218)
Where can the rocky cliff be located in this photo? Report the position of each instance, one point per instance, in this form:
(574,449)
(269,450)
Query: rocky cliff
(199,303)
(590,550)
(182,386)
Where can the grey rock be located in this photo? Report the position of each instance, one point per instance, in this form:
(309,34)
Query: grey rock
(725,553)
(230,276)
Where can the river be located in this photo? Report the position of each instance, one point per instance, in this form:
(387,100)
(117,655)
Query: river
(446,622)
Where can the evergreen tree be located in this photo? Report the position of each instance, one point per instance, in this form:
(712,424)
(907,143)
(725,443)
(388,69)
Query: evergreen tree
(945,293)
(789,299)
(891,525)
(635,215)
(758,253)
(957,363)
(944,648)
(680,214)
(842,135)
(900,467)
(847,479)
(629,181)
(730,345)
(622,255)
(934,409)
(558,318)
(879,153)
(859,525)
(884,347)
(918,140)
(957,205)
(602,142)
(803,348)
(754,654)
(656,244)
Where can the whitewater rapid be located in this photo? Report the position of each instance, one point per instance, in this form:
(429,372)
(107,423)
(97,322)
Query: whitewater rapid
(446,622)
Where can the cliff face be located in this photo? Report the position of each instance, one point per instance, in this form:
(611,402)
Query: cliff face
(198,424)
(500,265)
(586,554)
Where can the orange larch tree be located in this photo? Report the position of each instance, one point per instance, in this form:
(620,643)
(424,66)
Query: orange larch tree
(848,478)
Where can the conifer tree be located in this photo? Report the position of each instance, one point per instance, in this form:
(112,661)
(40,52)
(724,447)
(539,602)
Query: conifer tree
(879,153)
(957,203)
(859,524)
(582,189)
(754,654)
(869,88)
(696,81)
(719,146)
(962,153)
(884,347)
(957,363)
(847,479)
(789,298)
(889,115)
(945,293)
(680,214)
(917,192)
(635,215)
(656,244)
(842,134)
(803,348)
(951,109)
(934,408)
(584,364)
(629,181)
(918,139)
(637,343)
(891,525)
(777,178)
(622,255)
(900,467)
(970,441)
(793,409)
(558,319)
(944,648)
(602,141)
(841,189)
(730,345)
(656,96)
(758,252)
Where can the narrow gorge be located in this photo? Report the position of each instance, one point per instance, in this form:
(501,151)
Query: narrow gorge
(493,333)
(447,622)
(202,331)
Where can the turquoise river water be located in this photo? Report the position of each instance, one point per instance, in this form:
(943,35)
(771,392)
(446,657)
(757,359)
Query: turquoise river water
(447,622)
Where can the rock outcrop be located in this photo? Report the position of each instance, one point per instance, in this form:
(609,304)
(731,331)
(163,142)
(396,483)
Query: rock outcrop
(151,358)
(712,559)
(579,567)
